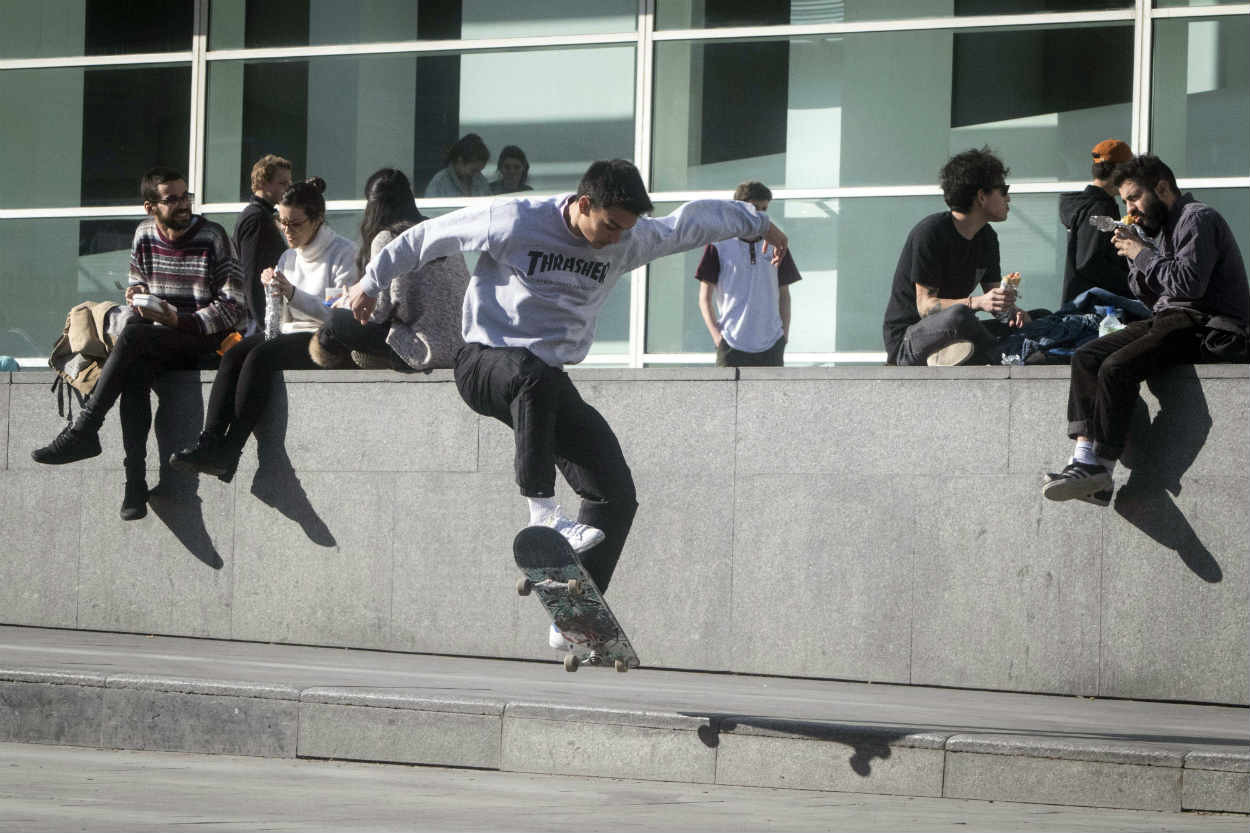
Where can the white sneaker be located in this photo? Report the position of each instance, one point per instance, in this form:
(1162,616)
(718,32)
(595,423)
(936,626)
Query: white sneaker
(580,536)
(556,639)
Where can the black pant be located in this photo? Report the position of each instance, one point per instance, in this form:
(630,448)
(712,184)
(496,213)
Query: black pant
(245,379)
(933,332)
(343,334)
(553,426)
(774,356)
(142,352)
(1107,373)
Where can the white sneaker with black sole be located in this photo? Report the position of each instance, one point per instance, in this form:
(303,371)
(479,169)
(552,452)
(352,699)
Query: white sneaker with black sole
(1091,483)
(581,537)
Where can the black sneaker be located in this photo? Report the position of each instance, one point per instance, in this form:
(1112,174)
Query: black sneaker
(1078,481)
(135,501)
(1100,498)
(69,446)
(207,456)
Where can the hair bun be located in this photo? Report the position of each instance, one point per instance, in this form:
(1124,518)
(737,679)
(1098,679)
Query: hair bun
(318,183)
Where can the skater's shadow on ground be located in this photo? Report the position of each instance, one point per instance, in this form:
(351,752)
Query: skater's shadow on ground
(275,482)
(1159,452)
(865,744)
(175,498)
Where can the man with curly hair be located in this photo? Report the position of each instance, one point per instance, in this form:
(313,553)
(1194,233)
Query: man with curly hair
(931,317)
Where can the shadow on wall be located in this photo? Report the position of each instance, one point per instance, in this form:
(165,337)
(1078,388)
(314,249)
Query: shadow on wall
(175,498)
(1159,452)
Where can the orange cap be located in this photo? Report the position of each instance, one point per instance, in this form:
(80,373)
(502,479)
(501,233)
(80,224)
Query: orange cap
(1112,150)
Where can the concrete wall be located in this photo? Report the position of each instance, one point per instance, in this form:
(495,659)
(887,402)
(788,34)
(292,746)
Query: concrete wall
(880,524)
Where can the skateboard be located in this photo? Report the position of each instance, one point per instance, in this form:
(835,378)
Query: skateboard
(555,574)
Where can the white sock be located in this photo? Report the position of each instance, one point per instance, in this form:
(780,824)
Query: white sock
(541,508)
(1084,453)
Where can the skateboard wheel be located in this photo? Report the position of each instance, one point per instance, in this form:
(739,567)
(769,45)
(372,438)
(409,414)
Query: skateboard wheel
(524,586)
(571,662)
(575,587)
(621,666)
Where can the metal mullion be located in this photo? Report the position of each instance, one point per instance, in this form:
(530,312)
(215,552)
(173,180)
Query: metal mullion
(98,60)
(643,103)
(421,46)
(906,25)
(1143,49)
(843,356)
(1202,11)
(199,71)
(71,212)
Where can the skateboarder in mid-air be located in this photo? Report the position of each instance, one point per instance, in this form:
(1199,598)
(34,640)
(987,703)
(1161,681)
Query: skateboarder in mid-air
(547,266)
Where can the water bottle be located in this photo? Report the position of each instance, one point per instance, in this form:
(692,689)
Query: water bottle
(274,304)
(1110,320)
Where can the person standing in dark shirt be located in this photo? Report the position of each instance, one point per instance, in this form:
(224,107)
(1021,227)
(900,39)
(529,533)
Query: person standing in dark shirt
(256,238)
(1091,259)
(931,315)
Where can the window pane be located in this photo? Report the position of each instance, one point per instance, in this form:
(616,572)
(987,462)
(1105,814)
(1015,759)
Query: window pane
(47,266)
(887,108)
(1172,4)
(1200,96)
(240,24)
(846,251)
(710,14)
(71,28)
(78,136)
(343,118)
(1234,206)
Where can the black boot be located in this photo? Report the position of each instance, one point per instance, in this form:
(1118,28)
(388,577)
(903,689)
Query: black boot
(209,455)
(76,442)
(135,501)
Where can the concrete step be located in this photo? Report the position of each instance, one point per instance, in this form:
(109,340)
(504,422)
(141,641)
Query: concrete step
(129,691)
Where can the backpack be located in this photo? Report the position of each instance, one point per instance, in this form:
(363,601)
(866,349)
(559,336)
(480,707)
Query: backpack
(79,354)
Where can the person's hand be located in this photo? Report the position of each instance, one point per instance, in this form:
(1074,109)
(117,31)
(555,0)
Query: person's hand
(361,305)
(1127,243)
(167,315)
(994,301)
(273,276)
(1019,318)
(717,338)
(135,289)
(776,238)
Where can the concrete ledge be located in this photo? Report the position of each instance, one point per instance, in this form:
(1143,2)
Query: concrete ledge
(397,725)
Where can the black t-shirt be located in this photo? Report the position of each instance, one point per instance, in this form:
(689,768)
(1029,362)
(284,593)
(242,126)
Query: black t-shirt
(939,258)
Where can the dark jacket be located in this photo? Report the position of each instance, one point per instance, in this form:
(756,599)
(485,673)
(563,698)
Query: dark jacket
(259,244)
(1091,260)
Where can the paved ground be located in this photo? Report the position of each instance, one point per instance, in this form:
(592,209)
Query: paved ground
(54,788)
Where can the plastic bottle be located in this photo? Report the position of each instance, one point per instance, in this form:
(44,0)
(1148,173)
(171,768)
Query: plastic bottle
(274,305)
(1110,321)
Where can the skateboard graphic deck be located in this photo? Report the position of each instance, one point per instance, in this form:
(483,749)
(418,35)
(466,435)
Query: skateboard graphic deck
(554,573)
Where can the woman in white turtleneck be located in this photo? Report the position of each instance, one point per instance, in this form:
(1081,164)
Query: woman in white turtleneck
(317,260)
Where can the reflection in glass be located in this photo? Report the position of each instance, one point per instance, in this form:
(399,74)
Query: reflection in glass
(81,136)
(886,108)
(1200,96)
(342,118)
(251,24)
(712,14)
(847,250)
(72,28)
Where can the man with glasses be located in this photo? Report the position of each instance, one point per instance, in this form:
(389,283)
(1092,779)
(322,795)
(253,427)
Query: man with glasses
(186,294)
(931,317)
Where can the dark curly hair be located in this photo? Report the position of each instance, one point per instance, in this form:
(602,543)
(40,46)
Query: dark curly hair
(966,174)
(468,148)
(615,184)
(307,196)
(1146,170)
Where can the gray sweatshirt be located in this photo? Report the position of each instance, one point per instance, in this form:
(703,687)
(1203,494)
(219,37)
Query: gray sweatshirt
(1193,263)
(539,286)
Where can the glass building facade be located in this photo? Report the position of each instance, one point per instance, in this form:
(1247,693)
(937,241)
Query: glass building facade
(845,108)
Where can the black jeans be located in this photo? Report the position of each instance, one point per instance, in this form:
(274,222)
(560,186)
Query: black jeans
(244,381)
(1107,374)
(142,352)
(343,334)
(774,356)
(933,332)
(553,426)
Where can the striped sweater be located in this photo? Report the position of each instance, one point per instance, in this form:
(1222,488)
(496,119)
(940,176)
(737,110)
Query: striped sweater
(198,274)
